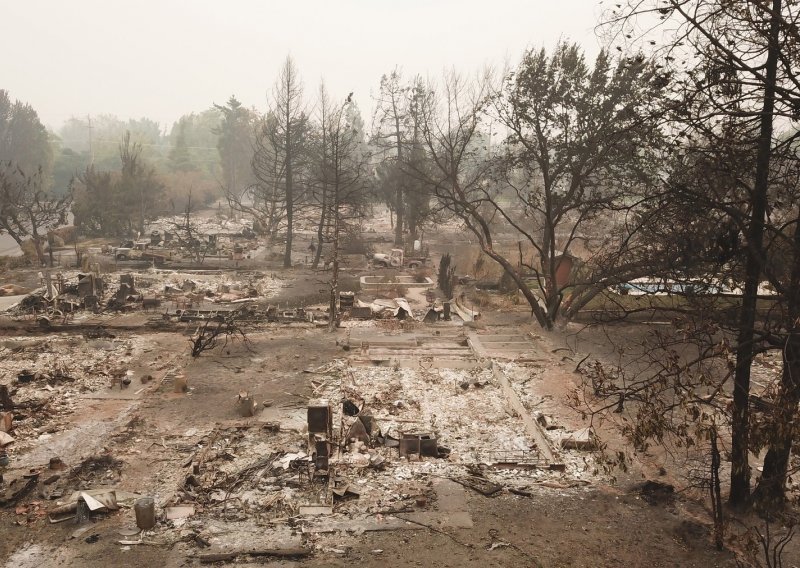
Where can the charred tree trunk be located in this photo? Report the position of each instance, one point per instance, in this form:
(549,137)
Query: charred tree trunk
(399,218)
(287,254)
(320,231)
(770,493)
(324,199)
(541,315)
(740,442)
(334,305)
(399,197)
(716,494)
(37,244)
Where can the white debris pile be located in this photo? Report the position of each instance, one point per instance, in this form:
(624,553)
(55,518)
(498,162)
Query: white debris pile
(385,490)
(227,286)
(216,225)
(766,370)
(463,409)
(524,380)
(575,445)
(353,324)
(86,363)
(245,474)
(48,376)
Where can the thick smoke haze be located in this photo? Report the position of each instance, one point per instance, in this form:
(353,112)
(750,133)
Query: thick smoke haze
(162,59)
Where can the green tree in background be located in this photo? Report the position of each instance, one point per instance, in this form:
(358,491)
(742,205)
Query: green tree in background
(234,144)
(100,136)
(118,203)
(179,158)
(139,189)
(24,141)
(199,131)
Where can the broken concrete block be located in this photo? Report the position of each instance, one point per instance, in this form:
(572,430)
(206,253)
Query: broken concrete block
(179,512)
(245,405)
(409,445)
(358,432)
(6,421)
(150,303)
(582,439)
(428,446)
(128,280)
(180,383)
(5,439)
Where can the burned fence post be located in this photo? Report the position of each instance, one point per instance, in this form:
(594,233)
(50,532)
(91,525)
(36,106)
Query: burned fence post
(5,398)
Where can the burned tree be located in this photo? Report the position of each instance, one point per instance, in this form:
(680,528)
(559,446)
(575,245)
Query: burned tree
(396,135)
(213,331)
(320,182)
(681,386)
(264,200)
(342,162)
(139,191)
(579,158)
(290,121)
(446,276)
(189,236)
(390,117)
(735,61)
(118,203)
(27,210)
(278,162)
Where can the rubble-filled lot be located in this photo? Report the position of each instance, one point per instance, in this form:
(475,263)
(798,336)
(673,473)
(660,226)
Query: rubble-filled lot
(48,376)
(74,294)
(231,487)
(259,471)
(213,286)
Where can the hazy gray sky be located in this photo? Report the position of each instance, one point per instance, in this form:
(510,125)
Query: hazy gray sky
(165,58)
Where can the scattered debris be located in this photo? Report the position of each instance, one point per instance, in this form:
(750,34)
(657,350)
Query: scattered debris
(16,495)
(479,484)
(214,557)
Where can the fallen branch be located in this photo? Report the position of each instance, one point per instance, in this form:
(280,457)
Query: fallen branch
(20,493)
(578,366)
(485,488)
(213,557)
(434,529)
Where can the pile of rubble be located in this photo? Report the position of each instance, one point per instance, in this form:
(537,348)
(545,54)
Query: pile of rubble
(369,454)
(45,378)
(69,292)
(215,225)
